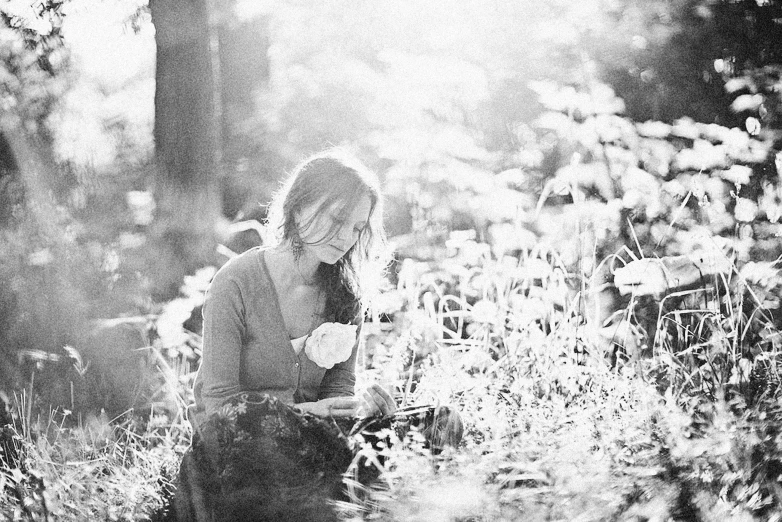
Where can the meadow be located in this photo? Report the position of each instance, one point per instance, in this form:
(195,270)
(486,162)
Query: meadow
(561,423)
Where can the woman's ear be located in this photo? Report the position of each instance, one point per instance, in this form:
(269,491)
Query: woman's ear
(296,216)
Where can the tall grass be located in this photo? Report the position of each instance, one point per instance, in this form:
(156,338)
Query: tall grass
(92,468)
(558,425)
(557,432)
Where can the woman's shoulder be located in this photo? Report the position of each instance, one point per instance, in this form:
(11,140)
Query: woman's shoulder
(242,269)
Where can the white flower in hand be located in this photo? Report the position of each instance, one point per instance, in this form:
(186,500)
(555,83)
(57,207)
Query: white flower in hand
(331,343)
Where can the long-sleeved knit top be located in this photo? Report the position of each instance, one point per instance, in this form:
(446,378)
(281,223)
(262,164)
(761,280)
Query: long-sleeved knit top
(247,348)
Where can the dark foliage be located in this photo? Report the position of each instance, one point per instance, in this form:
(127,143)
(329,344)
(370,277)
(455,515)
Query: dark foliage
(9,454)
(665,79)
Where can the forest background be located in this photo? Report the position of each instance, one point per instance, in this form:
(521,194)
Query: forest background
(526,149)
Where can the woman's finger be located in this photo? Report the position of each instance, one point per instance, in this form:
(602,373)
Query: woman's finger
(382,399)
(629,275)
(637,271)
(383,391)
(387,397)
(369,406)
(622,279)
(642,277)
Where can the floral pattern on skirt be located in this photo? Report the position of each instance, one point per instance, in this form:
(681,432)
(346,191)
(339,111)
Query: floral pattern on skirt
(259,459)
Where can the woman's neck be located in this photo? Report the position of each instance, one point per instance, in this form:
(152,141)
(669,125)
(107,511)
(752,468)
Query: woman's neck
(301,271)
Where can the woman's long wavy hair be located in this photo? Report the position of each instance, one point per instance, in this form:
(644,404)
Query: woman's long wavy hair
(343,180)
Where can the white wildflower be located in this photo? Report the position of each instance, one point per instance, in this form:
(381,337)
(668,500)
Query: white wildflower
(485,311)
(738,174)
(745,210)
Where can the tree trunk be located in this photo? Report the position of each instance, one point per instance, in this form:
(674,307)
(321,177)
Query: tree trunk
(251,175)
(186,142)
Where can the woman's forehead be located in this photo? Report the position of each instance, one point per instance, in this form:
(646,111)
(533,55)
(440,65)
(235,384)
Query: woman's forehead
(342,206)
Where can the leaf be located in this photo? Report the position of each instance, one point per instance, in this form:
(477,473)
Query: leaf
(17,475)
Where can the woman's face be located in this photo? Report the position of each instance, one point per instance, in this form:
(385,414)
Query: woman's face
(327,235)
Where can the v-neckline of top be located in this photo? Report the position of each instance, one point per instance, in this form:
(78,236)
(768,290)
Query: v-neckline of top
(283,328)
(299,343)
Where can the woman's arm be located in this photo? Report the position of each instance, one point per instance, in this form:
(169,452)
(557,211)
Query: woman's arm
(340,382)
(340,379)
(223,331)
(337,388)
(331,407)
(658,276)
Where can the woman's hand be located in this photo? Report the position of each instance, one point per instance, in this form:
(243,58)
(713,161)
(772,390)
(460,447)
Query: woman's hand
(377,401)
(373,401)
(652,276)
(331,407)
(641,277)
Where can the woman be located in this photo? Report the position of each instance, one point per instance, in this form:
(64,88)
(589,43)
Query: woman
(265,441)
(262,305)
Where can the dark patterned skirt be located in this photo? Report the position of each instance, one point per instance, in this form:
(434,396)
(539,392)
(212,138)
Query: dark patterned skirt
(258,459)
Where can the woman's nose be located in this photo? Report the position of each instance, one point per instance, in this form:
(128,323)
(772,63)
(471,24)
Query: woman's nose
(342,235)
(347,236)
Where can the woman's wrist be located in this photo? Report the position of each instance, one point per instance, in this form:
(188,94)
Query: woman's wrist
(331,407)
(680,271)
(304,407)
(711,263)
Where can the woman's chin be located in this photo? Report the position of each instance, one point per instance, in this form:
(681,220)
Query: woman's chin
(330,255)
(329,259)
